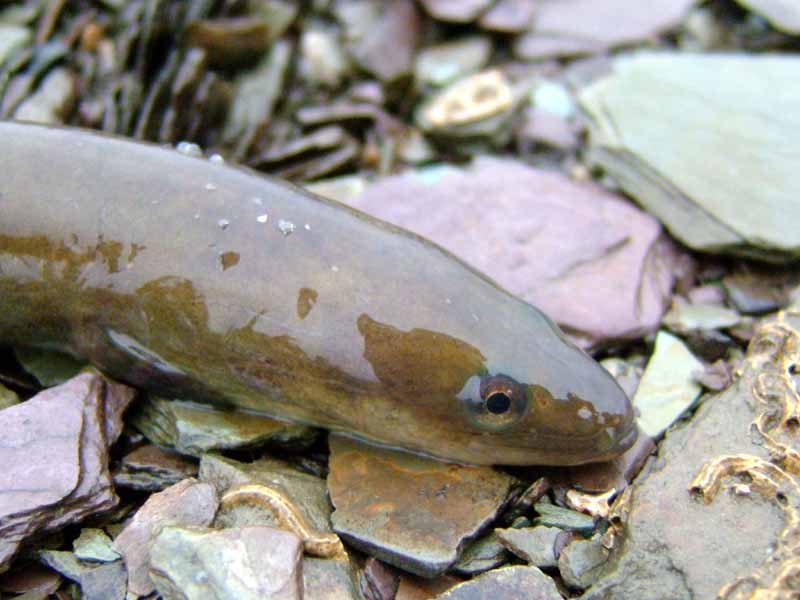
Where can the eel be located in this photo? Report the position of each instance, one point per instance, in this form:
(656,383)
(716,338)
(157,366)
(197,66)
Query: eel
(210,282)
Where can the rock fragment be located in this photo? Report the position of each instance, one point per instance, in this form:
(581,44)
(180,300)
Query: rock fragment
(456,11)
(152,469)
(783,14)
(668,387)
(93,545)
(188,503)
(688,157)
(486,553)
(509,583)
(243,563)
(329,579)
(411,512)
(534,545)
(194,428)
(581,562)
(55,459)
(571,27)
(444,63)
(105,581)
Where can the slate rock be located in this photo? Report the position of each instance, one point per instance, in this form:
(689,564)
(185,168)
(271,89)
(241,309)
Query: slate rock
(329,579)
(382,36)
(714,168)
(189,502)
(194,428)
(55,457)
(411,512)
(486,553)
(444,63)
(107,581)
(534,545)
(668,387)
(715,472)
(585,26)
(684,317)
(782,14)
(152,469)
(580,563)
(593,262)
(509,583)
(245,563)
(509,16)
(94,545)
(13,38)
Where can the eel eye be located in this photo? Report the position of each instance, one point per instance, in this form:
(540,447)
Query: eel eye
(494,402)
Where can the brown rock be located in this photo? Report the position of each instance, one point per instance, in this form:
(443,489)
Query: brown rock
(508,583)
(55,459)
(409,511)
(189,502)
(597,265)
(244,563)
(378,582)
(420,588)
(31,579)
(150,468)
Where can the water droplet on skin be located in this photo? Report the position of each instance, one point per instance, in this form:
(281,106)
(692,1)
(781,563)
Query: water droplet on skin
(196,216)
(189,149)
(335,269)
(217,159)
(223,224)
(258,201)
(448,301)
(211,187)
(286,227)
(262,218)
(307,227)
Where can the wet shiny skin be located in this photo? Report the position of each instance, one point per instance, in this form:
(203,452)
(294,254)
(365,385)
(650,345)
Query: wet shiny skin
(163,270)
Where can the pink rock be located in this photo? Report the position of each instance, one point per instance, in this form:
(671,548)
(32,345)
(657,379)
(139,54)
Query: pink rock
(582,26)
(187,503)
(55,458)
(590,259)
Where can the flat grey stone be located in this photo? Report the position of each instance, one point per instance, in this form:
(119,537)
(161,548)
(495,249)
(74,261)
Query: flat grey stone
(716,168)
(243,563)
(508,583)
(668,387)
(581,562)
(534,545)
(94,545)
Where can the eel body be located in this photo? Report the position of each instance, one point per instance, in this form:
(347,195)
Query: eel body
(204,281)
